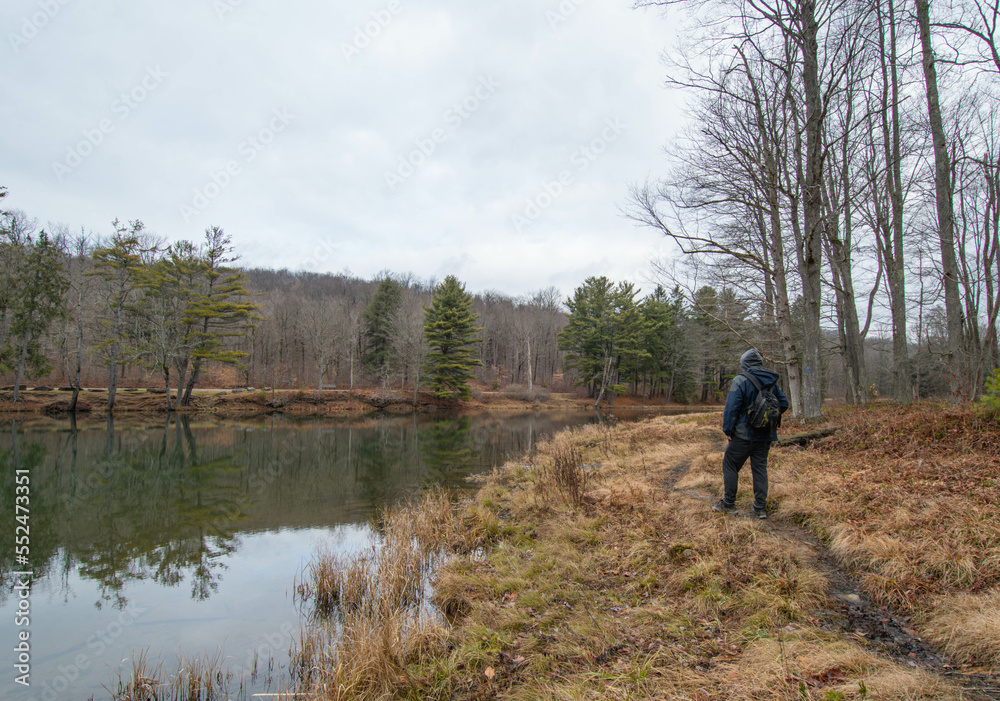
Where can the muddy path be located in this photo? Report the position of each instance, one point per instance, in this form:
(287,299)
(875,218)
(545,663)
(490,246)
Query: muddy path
(848,612)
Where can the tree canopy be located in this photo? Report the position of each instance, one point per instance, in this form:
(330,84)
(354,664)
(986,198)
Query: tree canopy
(450,329)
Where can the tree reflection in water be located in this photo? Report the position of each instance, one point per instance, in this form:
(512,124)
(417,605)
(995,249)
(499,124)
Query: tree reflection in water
(167,503)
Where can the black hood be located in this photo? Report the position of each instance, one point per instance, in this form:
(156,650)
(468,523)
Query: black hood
(751,359)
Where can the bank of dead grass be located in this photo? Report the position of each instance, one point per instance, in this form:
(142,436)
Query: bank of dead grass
(581,573)
(909,496)
(631,593)
(595,570)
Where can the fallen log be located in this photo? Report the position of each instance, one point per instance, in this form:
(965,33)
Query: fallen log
(804,438)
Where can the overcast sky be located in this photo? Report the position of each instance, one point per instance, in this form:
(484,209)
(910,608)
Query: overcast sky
(493,141)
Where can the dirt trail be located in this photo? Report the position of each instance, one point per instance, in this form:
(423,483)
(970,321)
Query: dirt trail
(848,612)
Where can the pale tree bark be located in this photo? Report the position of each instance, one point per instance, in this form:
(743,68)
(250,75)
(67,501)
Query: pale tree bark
(81,252)
(775,243)
(840,195)
(892,236)
(812,214)
(945,208)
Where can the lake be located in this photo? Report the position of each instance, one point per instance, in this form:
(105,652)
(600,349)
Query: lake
(183,537)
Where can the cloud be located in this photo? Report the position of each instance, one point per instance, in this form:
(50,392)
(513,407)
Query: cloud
(321,180)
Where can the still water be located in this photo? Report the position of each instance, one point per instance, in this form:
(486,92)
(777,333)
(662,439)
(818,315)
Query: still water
(184,537)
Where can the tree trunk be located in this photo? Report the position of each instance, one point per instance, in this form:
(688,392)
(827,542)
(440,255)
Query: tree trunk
(192,381)
(841,269)
(22,357)
(166,383)
(604,380)
(945,208)
(812,211)
(895,265)
(113,370)
(79,351)
(531,385)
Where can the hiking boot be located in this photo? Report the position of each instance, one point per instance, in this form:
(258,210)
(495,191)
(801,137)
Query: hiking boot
(722,508)
(759,513)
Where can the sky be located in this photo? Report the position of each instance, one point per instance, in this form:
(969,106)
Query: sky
(491,141)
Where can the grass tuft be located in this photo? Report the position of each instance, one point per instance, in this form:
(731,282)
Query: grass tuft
(370,625)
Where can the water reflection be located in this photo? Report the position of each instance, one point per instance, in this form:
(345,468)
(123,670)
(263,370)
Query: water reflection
(167,503)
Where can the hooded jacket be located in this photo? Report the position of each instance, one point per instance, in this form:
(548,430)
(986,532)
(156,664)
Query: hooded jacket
(741,396)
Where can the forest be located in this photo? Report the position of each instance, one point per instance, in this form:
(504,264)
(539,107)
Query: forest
(840,169)
(834,201)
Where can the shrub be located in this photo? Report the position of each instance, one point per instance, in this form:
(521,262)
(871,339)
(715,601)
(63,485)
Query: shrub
(991,397)
(525,394)
(565,476)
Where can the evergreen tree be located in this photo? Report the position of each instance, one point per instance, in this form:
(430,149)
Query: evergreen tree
(380,316)
(719,319)
(120,264)
(450,328)
(604,336)
(41,284)
(168,285)
(667,366)
(218,310)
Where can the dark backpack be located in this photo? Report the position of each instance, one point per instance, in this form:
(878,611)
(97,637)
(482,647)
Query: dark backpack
(765,409)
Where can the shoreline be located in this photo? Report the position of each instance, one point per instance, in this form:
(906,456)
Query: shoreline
(596,569)
(254,403)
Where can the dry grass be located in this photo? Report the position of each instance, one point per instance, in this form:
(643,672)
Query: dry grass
(560,474)
(140,681)
(909,497)
(196,679)
(968,626)
(631,592)
(391,575)
(806,664)
(369,622)
(623,584)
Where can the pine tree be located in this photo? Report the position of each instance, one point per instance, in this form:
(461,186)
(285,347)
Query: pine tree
(120,264)
(41,283)
(169,286)
(380,316)
(667,365)
(604,336)
(218,310)
(450,328)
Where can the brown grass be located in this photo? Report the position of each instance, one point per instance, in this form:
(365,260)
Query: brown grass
(632,592)
(909,497)
(561,474)
(624,585)
(196,679)
(369,622)
(968,626)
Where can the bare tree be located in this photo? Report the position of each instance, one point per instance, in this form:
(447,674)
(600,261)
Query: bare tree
(318,324)
(944,202)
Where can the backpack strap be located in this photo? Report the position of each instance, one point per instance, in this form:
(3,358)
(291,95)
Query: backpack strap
(753,380)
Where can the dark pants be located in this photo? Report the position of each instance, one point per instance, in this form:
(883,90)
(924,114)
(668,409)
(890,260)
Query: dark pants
(736,455)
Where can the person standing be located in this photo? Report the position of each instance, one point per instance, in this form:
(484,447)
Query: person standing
(744,440)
